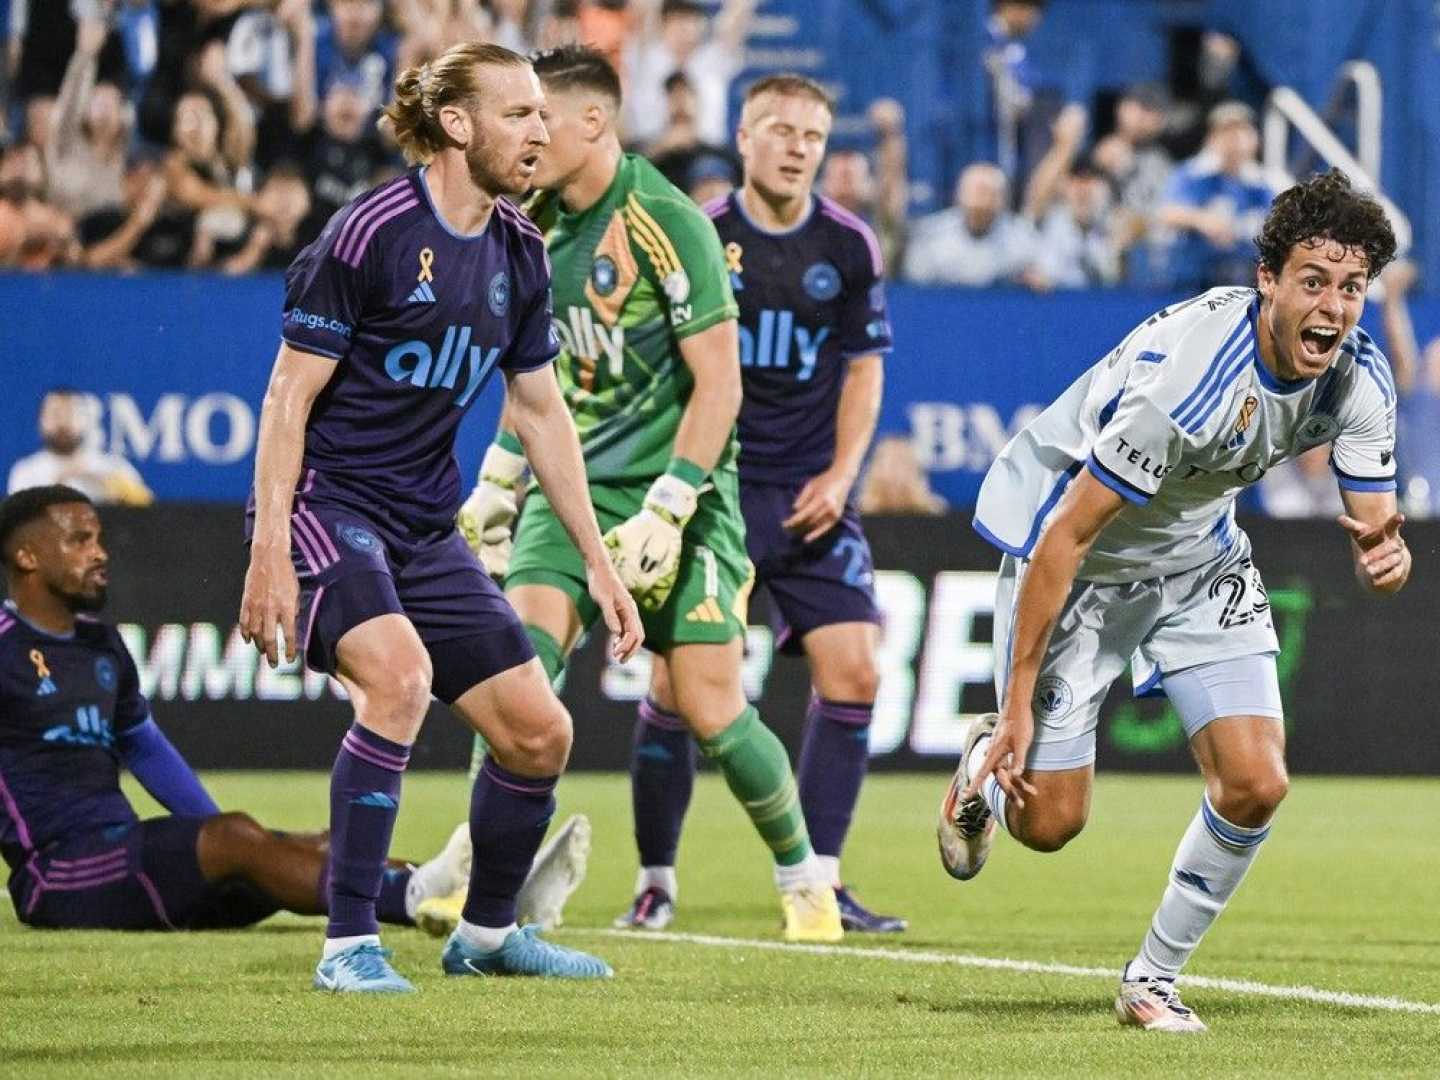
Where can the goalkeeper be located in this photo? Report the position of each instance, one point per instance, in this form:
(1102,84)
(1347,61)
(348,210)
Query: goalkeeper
(650,367)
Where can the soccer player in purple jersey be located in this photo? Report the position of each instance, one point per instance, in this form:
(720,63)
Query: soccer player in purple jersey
(394,318)
(813,331)
(72,712)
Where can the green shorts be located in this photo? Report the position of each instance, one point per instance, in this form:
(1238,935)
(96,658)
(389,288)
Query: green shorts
(711,597)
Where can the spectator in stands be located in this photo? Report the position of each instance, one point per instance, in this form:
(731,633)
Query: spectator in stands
(1215,203)
(895,483)
(561,26)
(1068,203)
(352,43)
(677,35)
(33,234)
(282,207)
(207,160)
(341,155)
(711,176)
(71,454)
(1133,155)
(271,54)
(977,241)
(880,196)
(605,25)
(678,149)
(1417,382)
(88,138)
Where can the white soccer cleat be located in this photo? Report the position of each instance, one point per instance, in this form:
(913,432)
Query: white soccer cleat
(1155,1005)
(556,873)
(455,857)
(966,828)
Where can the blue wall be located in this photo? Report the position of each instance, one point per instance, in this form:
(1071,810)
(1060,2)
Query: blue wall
(179,366)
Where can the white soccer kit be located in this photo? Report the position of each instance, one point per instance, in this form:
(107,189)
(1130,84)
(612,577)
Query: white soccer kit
(1178,419)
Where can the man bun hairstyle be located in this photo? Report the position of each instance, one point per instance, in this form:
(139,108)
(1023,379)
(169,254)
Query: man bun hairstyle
(577,67)
(422,91)
(30,504)
(1326,207)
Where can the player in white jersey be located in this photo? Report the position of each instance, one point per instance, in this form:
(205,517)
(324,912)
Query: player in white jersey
(1115,511)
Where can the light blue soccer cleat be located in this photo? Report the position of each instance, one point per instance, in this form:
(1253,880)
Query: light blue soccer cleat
(361,969)
(524,952)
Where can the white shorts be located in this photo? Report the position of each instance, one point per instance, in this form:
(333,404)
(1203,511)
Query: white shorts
(1203,637)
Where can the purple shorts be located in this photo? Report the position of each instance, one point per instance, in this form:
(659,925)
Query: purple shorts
(829,581)
(353,568)
(144,876)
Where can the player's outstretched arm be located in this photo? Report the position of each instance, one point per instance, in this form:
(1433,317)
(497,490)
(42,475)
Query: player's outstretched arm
(542,422)
(822,500)
(272,593)
(1382,558)
(1088,506)
(167,776)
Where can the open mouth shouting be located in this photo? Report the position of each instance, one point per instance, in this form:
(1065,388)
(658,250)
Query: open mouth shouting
(1318,342)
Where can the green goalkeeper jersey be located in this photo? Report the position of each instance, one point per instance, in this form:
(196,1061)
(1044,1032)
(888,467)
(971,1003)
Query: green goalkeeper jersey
(632,276)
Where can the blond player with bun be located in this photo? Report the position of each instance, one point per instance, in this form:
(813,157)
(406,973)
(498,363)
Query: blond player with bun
(394,320)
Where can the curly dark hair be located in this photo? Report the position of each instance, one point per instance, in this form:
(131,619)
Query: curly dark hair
(1326,207)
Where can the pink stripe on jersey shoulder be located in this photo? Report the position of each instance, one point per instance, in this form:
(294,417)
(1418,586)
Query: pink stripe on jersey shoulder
(514,214)
(380,218)
(716,206)
(355,226)
(835,212)
(6,623)
(365,203)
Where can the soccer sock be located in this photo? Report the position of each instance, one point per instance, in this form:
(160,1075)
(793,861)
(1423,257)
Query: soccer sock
(509,814)
(364,799)
(1209,865)
(757,772)
(550,651)
(398,900)
(663,758)
(833,758)
(995,798)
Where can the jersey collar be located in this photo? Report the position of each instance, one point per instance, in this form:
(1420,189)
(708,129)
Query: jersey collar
(435,210)
(739,202)
(9,606)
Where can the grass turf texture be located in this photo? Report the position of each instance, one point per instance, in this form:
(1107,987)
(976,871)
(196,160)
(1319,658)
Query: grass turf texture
(1341,898)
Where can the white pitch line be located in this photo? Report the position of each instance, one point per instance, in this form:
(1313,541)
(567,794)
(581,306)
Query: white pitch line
(1314,994)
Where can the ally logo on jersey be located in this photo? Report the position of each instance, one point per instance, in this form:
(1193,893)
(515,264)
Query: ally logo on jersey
(590,342)
(421,366)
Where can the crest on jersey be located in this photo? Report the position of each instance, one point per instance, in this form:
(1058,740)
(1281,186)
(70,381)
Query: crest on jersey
(498,295)
(1053,697)
(821,281)
(423,293)
(42,672)
(604,276)
(105,673)
(1317,429)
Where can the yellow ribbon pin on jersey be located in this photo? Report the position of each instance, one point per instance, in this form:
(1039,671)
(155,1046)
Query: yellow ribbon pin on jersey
(427,259)
(42,671)
(733,252)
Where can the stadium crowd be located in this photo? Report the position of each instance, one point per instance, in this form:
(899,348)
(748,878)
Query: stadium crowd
(222,134)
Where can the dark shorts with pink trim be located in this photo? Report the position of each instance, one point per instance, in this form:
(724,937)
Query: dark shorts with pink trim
(354,567)
(144,876)
(828,581)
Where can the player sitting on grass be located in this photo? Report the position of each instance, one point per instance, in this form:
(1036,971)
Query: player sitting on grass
(71,713)
(1115,509)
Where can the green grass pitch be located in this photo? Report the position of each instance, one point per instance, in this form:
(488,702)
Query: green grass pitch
(1343,898)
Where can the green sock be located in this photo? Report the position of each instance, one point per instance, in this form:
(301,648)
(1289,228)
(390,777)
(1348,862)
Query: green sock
(758,772)
(552,659)
(550,651)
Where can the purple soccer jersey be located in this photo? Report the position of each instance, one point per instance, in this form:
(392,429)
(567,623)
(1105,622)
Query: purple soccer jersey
(811,298)
(418,318)
(63,703)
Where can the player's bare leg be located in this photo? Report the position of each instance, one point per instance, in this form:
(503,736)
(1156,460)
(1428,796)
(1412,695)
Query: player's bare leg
(836,751)
(1243,761)
(292,869)
(528,733)
(706,682)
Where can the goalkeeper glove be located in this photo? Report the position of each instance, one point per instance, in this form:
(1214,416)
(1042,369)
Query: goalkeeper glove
(645,549)
(487,515)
